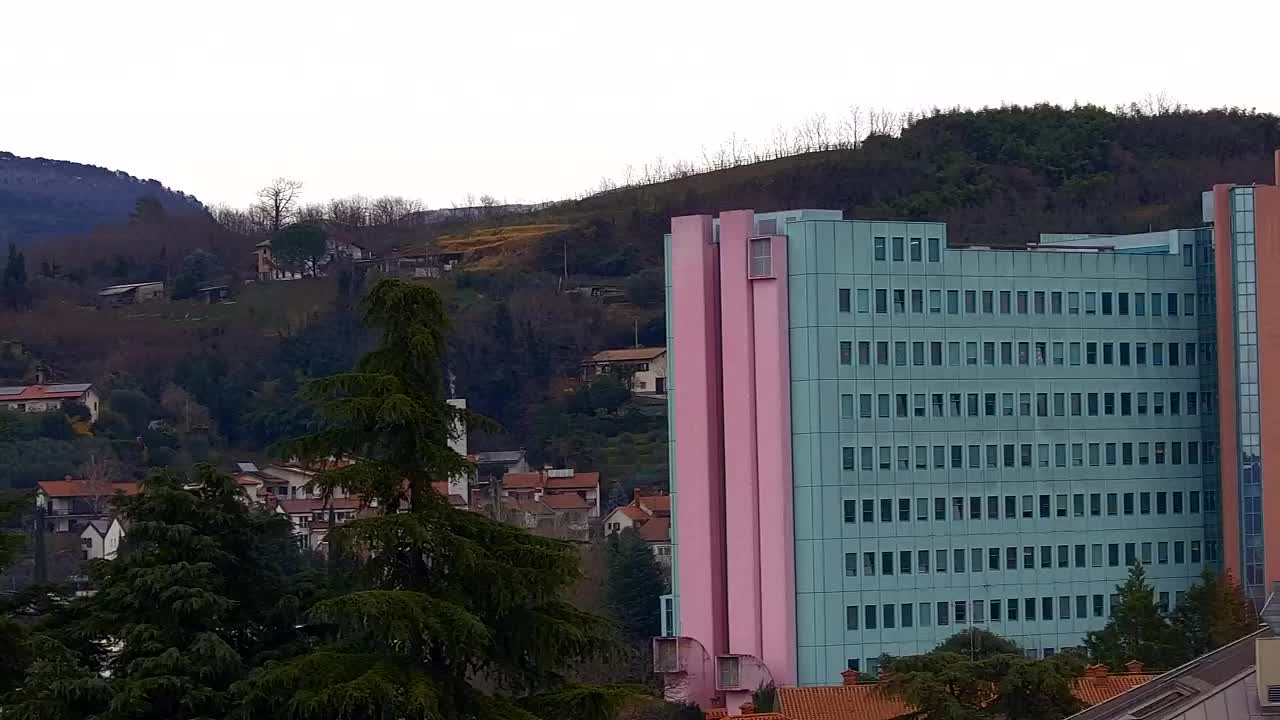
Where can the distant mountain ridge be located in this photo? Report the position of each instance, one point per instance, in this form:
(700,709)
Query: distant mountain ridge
(42,198)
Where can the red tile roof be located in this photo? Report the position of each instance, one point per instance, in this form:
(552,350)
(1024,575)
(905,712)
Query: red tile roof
(1095,690)
(656,504)
(539,479)
(522,481)
(865,701)
(840,702)
(579,481)
(627,355)
(657,530)
(565,501)
(85,488)
(43,392)
(310,505)
(633,512)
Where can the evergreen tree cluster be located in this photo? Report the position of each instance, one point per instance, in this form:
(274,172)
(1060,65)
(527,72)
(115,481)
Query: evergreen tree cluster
(1213,612)
(426,612)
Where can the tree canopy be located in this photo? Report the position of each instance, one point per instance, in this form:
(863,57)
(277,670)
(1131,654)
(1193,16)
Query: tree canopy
(299,247)
(1136,628)
(450,614)
(197,598)
(635,586)
(1005,687)
(1213,613)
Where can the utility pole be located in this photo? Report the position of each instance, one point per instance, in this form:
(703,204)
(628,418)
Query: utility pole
(635,330)
(566,264)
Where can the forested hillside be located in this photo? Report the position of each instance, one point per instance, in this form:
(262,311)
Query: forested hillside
(42,198)
(517,338)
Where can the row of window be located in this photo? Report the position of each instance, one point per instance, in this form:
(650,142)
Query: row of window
(1020,302)
(909,562)
(1076,404)
(888,510)
(961,612)
(1007,456)
(1010,354)
(902,245)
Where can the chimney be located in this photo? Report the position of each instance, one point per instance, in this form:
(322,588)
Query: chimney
(1096,671)
(1133,667)
(849,677)
(1277,178)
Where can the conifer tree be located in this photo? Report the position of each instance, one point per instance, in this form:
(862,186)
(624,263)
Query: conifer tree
(454,615)
(635,587)
(1136,630)
(193,601)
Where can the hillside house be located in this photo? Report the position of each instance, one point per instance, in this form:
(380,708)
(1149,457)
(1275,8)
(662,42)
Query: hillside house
(650,515)
(286,481)
(131,294)
(421,263)
(101,538)
(491,467)
(643,369)
(309,518)
(70,505)
(551,482)
(266,266)
(49,398)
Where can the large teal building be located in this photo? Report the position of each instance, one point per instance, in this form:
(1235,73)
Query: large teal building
(879,439)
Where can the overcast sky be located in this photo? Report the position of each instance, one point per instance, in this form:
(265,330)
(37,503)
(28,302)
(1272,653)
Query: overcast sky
(531,101)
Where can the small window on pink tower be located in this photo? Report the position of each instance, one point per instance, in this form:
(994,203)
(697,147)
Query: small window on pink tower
(761,258)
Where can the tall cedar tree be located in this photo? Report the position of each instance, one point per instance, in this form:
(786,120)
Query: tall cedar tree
(635,587)
(1213,613)
(1136,630)
(195,599)
(13,645)
(1005,687)
(454,615)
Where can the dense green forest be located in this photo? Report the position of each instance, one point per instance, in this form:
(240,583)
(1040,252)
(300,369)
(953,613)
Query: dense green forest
(223,379)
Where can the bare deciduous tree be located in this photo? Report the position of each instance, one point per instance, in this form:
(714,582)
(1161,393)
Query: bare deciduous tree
(390,209)
(353,210)
(278,202)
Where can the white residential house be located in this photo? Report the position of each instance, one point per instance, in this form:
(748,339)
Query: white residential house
(283,481)
(644,368)
(69,504)
(309,518)
(650,516)
(101,538)
(49,398)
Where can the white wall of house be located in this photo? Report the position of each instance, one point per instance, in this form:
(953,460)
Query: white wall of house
(617,521)
(102,547)
(652,380)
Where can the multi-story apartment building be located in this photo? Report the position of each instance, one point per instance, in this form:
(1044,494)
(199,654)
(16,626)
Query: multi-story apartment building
(879,439)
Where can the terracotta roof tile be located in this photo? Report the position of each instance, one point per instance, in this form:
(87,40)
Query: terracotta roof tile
(1095,690)
(839,702)
(627,355)
(655,504)
(522,481)
(565,501)
(633,512)
(85,488)
(866,702)
(657,530)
